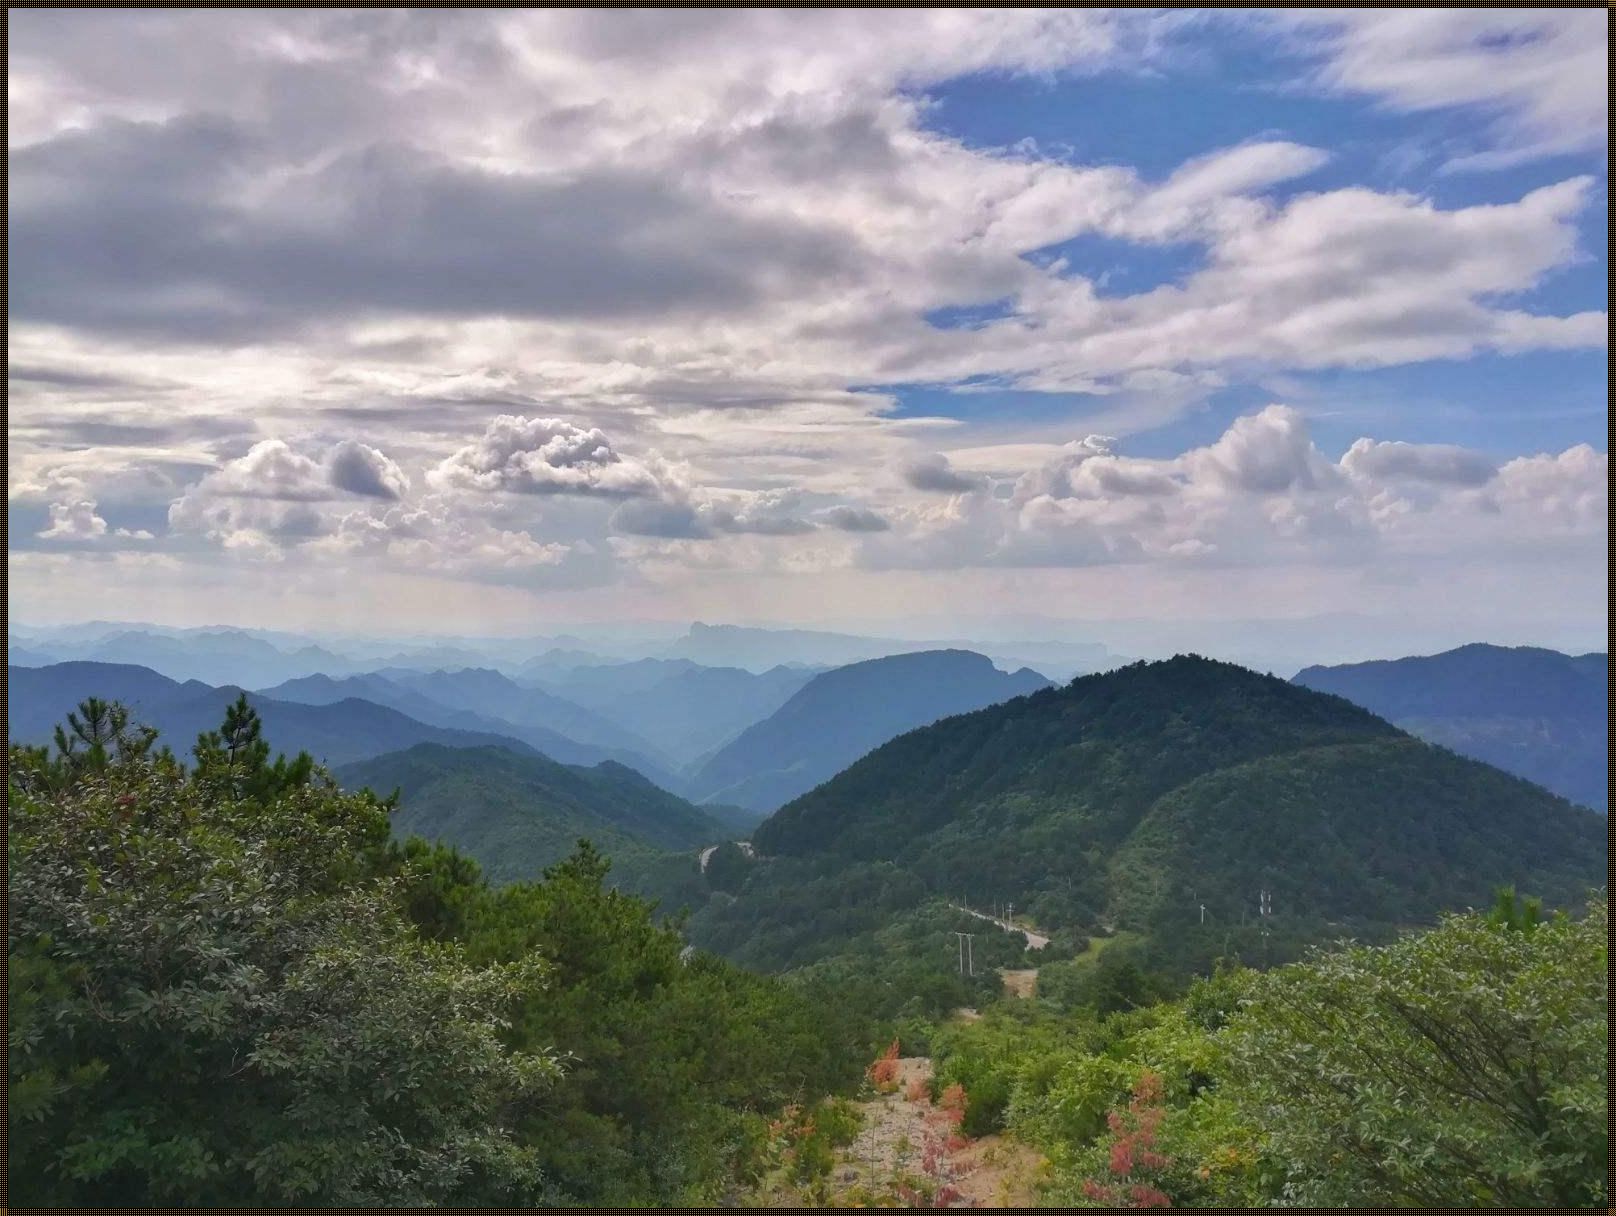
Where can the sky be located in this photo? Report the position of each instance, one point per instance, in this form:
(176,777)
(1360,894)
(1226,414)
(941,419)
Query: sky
(479,321)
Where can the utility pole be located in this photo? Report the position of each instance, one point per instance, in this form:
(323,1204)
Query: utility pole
(1203,914)
(962,937)
(970,958)
(1264,911)
(1010,915)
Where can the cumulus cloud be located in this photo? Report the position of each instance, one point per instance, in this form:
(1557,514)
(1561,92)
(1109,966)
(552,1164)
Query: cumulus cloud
(1262,492)
(518,455)
(75,520)
(1264,453)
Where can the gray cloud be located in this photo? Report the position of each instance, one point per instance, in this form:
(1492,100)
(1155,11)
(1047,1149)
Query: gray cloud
(143,227)
(1431,462)
(933,473)
(854,519)
(360,469)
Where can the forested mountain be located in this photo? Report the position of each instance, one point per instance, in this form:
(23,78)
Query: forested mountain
(517,814)
(38,698)
(682,708)
(407,692)
(1536,713)
(841,714)
(1127,800)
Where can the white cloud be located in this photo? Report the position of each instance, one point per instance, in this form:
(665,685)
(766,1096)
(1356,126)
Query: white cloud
(544,456)
(74,520)
(598,287)
(1261,493)
(1542,74)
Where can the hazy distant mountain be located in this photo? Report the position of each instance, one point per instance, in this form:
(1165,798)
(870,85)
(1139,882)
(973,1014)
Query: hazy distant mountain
(518,814)
(1537,713)
(841,714)
(760,649)
(484,691)
(400,689)
(683,708)
(214,656)
(38,698)
(24,656)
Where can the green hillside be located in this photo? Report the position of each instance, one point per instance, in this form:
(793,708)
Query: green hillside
(1127,800)
(518,814)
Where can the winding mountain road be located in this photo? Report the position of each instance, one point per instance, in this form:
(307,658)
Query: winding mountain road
(1035,941)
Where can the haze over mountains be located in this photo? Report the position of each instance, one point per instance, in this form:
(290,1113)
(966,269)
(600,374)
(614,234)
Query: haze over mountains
(841,714)
(40,698)
(1536,713)
(1113,803)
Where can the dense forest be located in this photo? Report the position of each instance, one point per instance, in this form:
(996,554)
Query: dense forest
(232,981)
(229,983)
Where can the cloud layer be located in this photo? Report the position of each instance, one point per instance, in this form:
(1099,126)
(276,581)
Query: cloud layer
(567,299)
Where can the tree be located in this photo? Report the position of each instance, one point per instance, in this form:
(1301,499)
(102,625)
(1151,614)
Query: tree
(1465,1066)
(235,758)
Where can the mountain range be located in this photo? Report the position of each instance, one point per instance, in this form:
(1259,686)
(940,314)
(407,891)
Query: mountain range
(1130,800)
(1536,713)
(481,700)
(40,698)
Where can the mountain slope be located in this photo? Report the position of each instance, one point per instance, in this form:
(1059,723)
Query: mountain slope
(1130,799)
(1536,713)
(518,814)
(40,697)
(840,715)
(486,692)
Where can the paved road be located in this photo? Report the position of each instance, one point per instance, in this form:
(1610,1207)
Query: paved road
(1035,941)
(706,854)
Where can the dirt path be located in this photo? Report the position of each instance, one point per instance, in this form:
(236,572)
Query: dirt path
(994,1171)
(894,1129)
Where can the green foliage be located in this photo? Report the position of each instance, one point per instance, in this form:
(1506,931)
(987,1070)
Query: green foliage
(1463,1066)
(1467,1066)
(727,867)
(1013,1045)
(1130,802)
(212,1002)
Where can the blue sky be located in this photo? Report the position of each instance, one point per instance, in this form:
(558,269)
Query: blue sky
(1234,89)
(810,316)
